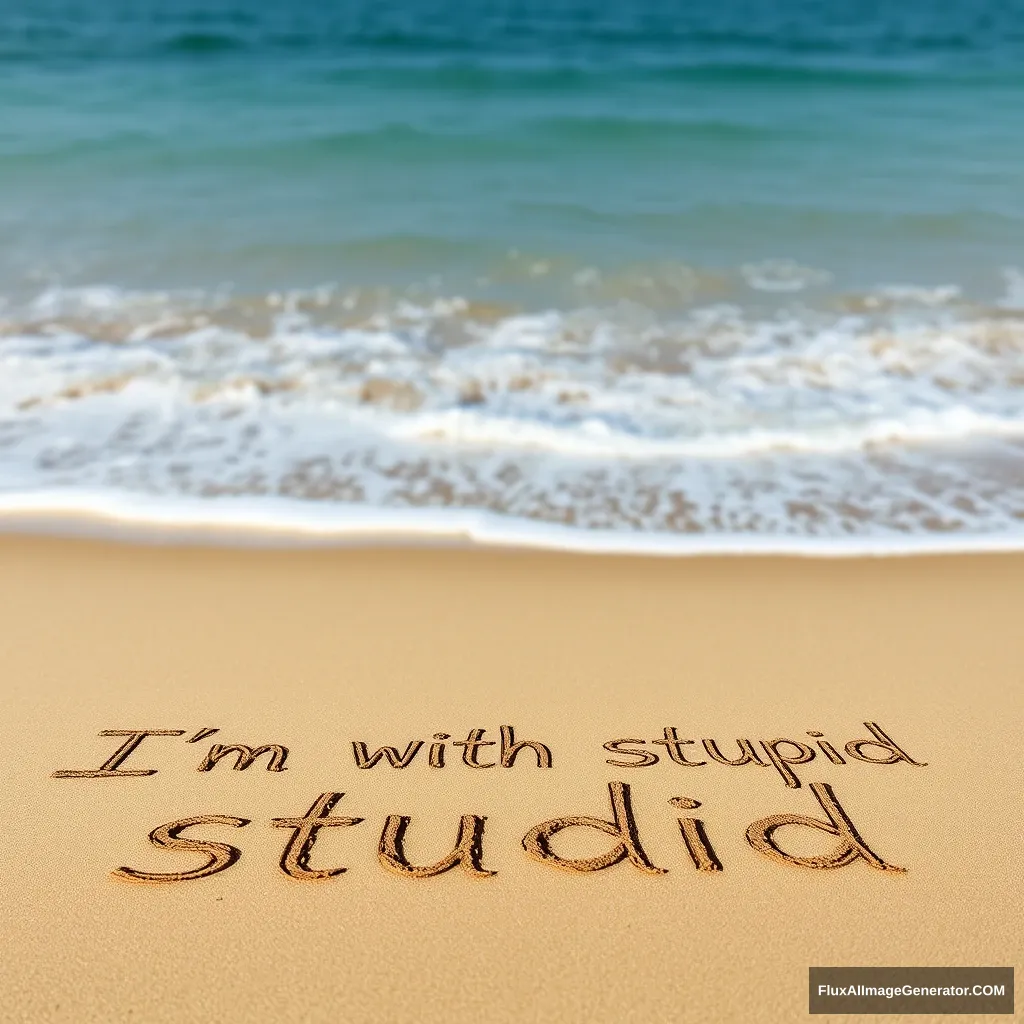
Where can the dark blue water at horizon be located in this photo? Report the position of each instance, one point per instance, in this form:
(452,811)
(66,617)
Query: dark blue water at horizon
(184,143)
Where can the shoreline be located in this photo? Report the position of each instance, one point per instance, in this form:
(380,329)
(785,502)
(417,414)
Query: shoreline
(229,522)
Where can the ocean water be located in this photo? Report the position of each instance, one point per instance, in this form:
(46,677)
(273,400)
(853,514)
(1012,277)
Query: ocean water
(730,275)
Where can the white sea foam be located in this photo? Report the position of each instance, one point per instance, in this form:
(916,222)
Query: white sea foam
(716,429)
(783,276)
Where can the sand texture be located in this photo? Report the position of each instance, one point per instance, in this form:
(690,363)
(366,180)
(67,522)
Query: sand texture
(312,650)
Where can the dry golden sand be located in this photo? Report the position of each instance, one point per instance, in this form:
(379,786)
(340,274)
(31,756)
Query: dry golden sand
(313,649)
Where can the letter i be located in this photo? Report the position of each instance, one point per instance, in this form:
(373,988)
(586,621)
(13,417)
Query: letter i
(698,846)
(437,750)
(827,749)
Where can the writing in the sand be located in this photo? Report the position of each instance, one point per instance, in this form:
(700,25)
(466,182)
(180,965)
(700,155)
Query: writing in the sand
(478,751)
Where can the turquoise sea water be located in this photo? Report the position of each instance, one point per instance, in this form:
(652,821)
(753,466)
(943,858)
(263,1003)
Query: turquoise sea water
(721,269)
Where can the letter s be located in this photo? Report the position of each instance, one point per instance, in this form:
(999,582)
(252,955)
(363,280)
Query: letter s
(168,837)
(646,757)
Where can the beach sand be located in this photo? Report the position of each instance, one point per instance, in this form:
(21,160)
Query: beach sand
(314,649)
